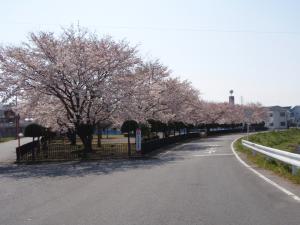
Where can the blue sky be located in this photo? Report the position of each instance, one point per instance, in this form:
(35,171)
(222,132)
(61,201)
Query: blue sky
(252,47)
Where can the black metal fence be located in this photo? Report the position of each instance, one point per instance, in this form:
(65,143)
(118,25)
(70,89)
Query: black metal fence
(225,131)
(60,149)
(27,151)
(151,146)
(221,131)
(36,152)
(113,151)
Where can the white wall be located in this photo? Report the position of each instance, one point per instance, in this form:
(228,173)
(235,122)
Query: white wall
(277,119)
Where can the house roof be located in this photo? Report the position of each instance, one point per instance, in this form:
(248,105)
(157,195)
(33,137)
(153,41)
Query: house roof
(296,107)
(276,107)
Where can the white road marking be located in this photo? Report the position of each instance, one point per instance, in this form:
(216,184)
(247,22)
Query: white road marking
(221,154)
(164,153)
(215,145)
(284,190)
(211,151)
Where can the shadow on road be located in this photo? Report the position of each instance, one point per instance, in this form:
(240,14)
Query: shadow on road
(199,145)
(195,147)
(85,168)
(79,169)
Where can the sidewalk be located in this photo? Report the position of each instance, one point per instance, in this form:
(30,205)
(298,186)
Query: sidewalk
(8,150)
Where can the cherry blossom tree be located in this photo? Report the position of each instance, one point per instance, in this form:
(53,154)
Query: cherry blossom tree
(146,89)
(83,77)
(78,81)
(180,99)
(215,114)
(211,112)
(254,113)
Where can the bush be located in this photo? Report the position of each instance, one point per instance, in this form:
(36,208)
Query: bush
(129,126)
(34,130)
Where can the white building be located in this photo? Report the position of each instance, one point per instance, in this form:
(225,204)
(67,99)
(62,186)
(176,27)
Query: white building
(278,117)
(295,116)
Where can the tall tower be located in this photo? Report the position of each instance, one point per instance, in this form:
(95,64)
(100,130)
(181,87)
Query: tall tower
(231,98)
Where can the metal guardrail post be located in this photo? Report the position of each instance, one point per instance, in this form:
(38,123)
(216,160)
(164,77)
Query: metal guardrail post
(269,159)
(295,169)
(253,152)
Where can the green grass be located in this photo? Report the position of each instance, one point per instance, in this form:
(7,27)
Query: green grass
(104,136)
(262,161)
(5,139)
(287,140)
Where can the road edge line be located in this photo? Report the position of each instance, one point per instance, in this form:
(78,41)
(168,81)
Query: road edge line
(284,190)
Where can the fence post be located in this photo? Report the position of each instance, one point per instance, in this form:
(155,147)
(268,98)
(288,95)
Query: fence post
(18,154)
(253,153)
(33,153)
(295,170)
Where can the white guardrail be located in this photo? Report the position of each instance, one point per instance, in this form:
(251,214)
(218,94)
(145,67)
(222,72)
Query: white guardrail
(286,157)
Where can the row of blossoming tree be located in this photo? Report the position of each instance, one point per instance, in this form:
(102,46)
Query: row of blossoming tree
(77,81)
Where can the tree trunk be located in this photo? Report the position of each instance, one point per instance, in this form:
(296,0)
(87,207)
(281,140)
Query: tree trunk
(85,132)
(207,130)
(87,142)
(72,136)
(74,139)
(39,147)
(99,133)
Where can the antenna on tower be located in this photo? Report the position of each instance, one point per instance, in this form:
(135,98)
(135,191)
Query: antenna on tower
(231,97)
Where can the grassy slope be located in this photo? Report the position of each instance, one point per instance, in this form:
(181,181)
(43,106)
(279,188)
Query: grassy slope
(261,161)
(287,140)
(6,139)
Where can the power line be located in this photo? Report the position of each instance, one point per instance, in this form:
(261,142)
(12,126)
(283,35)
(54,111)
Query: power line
(204,30)
(167,29)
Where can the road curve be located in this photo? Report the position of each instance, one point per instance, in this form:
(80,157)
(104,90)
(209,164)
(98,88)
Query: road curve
(195,183)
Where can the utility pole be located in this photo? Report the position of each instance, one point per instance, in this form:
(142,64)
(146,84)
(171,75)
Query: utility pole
(18,128)
(17,120)
(247,131)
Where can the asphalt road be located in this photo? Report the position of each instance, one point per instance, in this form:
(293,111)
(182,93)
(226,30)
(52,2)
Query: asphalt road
(8,150)
(196,183)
